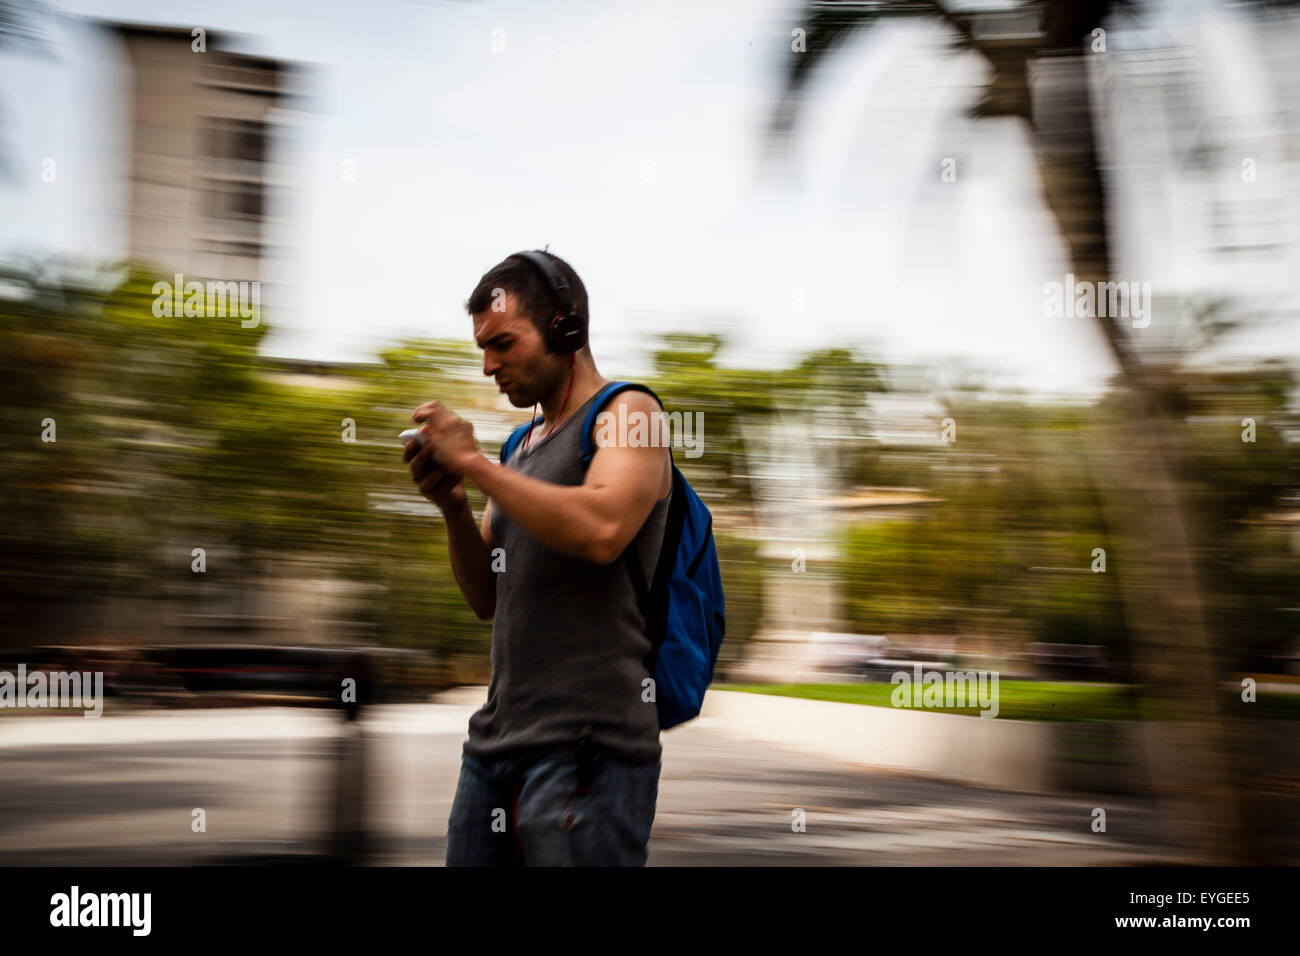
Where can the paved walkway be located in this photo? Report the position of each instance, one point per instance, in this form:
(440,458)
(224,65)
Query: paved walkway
(120,790)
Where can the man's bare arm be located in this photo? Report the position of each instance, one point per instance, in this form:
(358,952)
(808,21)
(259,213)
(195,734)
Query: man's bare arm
(470,552)
(594,521)
(471,558)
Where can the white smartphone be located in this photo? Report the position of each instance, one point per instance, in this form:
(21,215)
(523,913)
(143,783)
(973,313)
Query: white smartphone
(417,435)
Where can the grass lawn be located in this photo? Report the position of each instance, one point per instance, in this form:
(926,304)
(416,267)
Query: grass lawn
(1032,700)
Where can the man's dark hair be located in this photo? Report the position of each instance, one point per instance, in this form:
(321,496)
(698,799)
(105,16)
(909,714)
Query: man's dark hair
(526,283)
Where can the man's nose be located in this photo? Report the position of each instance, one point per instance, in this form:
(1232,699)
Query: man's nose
(490,365)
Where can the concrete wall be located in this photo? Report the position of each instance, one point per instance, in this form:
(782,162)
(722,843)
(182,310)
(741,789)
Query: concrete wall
(1037,756)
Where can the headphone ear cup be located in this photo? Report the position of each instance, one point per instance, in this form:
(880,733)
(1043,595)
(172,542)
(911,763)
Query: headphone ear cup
(554,340)
(567,332)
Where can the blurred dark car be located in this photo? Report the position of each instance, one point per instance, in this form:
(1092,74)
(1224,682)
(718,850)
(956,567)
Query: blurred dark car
(1079,662)
(189,674)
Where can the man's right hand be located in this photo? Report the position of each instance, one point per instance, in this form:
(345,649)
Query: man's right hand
(442,487)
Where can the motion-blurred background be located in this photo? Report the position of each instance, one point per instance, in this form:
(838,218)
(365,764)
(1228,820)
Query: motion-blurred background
(834,231)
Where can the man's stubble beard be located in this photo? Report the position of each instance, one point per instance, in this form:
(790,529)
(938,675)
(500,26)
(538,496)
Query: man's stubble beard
(550,380)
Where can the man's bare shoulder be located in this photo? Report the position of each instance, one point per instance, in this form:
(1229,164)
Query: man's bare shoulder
(634,400)
(634,424)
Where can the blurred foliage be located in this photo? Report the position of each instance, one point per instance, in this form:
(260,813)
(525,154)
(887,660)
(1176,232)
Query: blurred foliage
(1237,494)
(1006,546)
(174,434)
(689,378)
(742,587)
(1006,550)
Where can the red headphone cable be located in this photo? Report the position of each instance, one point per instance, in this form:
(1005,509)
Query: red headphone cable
(573,363)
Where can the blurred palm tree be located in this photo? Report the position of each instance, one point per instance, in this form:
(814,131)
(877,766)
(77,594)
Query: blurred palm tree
(20,31)
(1159,584)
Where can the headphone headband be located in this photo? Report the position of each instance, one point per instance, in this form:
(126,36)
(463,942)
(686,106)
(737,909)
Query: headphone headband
(567,330)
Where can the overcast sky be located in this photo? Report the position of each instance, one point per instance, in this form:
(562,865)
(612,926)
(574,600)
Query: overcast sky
(624,135)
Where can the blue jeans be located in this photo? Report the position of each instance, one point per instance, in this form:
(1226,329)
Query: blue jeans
(532,811)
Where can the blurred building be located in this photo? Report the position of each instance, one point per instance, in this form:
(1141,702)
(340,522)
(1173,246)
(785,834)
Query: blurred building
(203,123)
(204,178)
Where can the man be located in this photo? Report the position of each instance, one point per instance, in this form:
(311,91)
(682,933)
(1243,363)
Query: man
(562,763)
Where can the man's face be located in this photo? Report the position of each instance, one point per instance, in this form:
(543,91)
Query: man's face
(515,355)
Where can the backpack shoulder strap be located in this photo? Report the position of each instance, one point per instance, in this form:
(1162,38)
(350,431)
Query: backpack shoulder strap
(652,600)
(515,437)
(602,399)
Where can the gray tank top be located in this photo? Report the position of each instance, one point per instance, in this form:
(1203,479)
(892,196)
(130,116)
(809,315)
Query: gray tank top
(568,637)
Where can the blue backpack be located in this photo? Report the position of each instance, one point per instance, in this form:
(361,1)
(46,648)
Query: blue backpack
(684,608)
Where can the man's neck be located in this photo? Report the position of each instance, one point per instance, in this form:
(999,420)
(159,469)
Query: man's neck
(586,382)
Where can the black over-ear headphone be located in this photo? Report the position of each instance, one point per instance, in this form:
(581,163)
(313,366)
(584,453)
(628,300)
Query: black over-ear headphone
(567,330)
